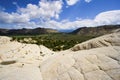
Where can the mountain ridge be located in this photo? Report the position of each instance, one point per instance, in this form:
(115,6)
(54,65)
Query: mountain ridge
(87,31)
(100,30)
(25,31)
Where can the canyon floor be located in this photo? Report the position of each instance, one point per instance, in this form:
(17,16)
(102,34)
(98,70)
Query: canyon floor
(95,59)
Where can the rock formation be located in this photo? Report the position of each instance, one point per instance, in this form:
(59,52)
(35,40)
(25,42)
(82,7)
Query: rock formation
(96,59)
(103,41)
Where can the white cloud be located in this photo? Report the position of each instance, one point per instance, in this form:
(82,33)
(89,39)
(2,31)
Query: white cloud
(45,10)
(88,1)
(13,18)
(109,17)
(27,25)
(51,9)
(71,2)
(104,18)
(69,25)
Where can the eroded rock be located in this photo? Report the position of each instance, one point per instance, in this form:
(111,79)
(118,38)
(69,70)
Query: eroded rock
(96,59)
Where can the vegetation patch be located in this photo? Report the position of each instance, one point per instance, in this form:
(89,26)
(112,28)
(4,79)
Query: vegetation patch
(56,41)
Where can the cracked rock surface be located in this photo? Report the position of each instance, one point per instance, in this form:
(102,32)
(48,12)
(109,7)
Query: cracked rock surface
(96,59)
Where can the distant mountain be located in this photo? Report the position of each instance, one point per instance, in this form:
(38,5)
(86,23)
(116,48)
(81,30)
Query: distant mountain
(100,30)
(25,31)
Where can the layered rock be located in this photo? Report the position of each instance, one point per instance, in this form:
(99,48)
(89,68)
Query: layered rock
(103,41)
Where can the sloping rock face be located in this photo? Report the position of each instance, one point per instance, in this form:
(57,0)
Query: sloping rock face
(98,63)
(4,40)
(20,61)
(22,52)
(103,41)
(95,64)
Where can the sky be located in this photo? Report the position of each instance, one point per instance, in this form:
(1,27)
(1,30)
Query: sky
(58,14)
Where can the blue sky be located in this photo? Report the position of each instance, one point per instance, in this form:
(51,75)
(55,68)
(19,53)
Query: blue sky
(58,14)
(91,9)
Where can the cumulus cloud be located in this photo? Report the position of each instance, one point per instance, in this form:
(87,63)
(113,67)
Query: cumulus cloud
(88,1)
(13,18)
(109,17)
(71,2)
(45,10)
